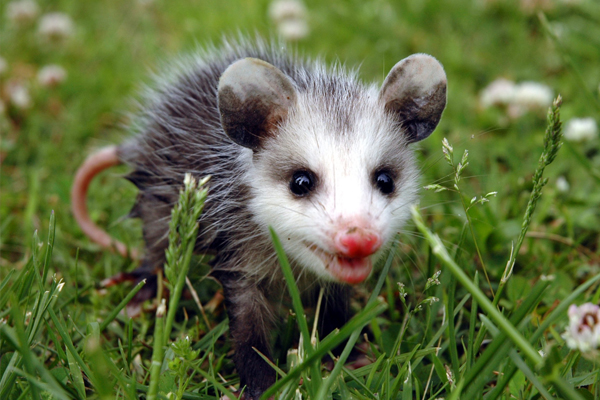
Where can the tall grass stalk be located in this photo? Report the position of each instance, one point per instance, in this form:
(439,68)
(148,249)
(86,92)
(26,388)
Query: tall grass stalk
(183,230)
(552,143)
(504,325)
(554,316)
(356,333)
(158,351)
(318,386)
(458,169)
(496,316)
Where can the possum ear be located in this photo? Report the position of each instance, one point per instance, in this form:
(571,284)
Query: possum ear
(254,96)
(415,93)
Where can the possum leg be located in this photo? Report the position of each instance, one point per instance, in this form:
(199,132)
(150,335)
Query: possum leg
(336,310)
(334,315)
(250,326)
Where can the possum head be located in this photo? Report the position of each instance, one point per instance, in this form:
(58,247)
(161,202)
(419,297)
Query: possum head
(329,162)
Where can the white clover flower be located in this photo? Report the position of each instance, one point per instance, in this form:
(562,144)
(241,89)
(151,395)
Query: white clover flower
(293,29)
(562,185)
(281,10)
(583,332)
(55,26)
(3,66)
(22,12)
(581,129)
(532,96)
(498,93)
(18,95)
(290,18)
(51,75)
(515,111)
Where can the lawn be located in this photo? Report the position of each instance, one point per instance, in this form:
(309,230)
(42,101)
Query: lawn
(504,244)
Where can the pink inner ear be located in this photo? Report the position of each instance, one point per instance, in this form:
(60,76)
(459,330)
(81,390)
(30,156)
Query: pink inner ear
(415,93)
(253,97)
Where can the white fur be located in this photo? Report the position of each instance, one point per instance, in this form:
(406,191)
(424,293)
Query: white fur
(342,155)
(344,163)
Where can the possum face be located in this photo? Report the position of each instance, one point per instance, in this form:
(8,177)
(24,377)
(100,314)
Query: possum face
(331,168)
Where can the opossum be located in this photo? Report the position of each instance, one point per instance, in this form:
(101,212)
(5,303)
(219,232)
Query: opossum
(289,143)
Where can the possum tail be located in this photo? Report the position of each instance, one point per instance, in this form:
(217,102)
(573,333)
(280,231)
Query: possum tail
(93,165)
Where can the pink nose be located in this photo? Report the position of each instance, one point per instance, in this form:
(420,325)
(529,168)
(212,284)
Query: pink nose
(357,242)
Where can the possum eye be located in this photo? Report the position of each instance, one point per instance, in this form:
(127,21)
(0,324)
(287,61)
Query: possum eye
(302,183)
(384,182)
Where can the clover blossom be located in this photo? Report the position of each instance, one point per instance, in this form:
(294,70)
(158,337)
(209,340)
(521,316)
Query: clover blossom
(581,129)
(583,332)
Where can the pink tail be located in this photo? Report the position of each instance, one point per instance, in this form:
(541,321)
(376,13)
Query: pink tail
(93,165)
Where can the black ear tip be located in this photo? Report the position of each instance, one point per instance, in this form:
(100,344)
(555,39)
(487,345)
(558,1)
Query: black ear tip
(418,130)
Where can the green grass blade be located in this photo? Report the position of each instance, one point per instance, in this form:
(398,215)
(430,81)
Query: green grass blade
(401,358)
(216,384)
(50,245)
(209,338)
(157,352)
(113,314)
(472,325)
(498,349)
(62,331)
(354,337)
(293,290)
(452,347)
(557,313)
(330,342)
(76,375)
(485,303)
(514,356)
(298,309)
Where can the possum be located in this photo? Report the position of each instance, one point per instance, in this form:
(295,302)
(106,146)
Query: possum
(289,143)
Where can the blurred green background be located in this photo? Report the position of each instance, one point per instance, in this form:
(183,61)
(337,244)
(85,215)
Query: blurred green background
(108,51)
(115,46)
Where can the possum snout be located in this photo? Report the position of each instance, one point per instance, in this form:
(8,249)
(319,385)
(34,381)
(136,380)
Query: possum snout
(357,242)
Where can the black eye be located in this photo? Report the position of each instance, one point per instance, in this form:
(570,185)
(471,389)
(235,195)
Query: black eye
(384,182)
(302,183)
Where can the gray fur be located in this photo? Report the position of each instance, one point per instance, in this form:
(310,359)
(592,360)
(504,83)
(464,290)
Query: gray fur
(189,124)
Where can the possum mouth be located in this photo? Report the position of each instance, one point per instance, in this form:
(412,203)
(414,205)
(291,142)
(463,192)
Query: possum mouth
(344,269)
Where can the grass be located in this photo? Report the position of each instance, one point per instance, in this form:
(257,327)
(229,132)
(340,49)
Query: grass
(472,301)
